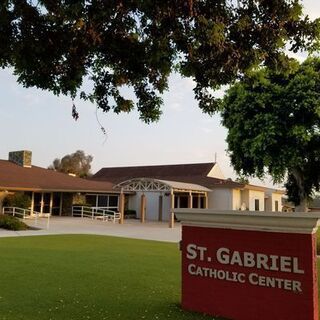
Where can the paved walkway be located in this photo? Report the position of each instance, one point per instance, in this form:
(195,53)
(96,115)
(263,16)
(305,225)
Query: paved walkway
(158,231)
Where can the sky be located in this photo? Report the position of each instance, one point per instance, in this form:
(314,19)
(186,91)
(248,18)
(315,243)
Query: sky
(35,120)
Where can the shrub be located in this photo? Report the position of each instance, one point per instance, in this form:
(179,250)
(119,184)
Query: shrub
(18,199)
(82,205)
(79,200)
(11,223)
(130,213)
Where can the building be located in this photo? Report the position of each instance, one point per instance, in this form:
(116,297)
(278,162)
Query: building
(50,191)
(153,192)
(157,190)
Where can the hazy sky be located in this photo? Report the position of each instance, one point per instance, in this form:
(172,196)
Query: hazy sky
(35,120)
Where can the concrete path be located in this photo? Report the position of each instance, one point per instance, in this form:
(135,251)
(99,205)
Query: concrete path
(158,231)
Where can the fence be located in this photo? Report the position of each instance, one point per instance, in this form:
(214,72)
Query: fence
(101,213)
(28,214)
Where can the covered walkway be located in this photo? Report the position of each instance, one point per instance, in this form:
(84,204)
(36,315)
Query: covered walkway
(182,195)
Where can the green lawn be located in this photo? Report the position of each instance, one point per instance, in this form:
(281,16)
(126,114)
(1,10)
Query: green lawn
(90,277)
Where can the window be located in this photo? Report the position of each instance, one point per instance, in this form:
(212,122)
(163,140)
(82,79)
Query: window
(202,202)
(175,201)
(276,205)
(113,201)
(183,201)
(257,205)
(102,201)
(195,201)
(91,199)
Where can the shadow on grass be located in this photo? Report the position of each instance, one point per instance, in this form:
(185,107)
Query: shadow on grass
(196,314)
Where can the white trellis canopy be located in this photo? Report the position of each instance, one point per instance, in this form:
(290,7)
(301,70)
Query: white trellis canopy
(149,184)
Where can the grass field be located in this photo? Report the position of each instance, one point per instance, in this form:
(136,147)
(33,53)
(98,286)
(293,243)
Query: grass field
(89,277)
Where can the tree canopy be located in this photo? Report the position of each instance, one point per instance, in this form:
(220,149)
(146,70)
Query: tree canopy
(56,44)
(273,121)
(77,163)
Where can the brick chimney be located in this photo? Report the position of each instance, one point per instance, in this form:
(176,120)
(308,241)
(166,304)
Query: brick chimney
(21,158)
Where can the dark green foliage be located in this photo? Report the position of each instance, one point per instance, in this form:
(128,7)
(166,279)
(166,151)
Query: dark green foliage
(130,213)
(11,223)
(242,179)
(77,163)
(273,120)
(19,200)
(55,44)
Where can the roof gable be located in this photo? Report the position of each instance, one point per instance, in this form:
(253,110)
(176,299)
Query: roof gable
(115,173)
(196,173)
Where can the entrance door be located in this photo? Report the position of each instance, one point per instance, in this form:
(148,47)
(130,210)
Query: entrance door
(46,202)
(56,200)
(37,202)
(42,201)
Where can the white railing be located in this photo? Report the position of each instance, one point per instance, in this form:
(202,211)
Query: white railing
(16,212)
(27,214)
(103,214)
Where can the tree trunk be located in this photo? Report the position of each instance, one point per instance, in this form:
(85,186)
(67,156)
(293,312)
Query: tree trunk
(303,206)
(303,197)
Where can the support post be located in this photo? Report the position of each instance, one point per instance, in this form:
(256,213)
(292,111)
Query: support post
(41,204)
(61,203)
(121,207)
(190,200)
(143,208)
(160,207)
(171,215)
(51,203)
(206,200)
(32,203)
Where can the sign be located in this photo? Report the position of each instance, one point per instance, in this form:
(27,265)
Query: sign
(247,274)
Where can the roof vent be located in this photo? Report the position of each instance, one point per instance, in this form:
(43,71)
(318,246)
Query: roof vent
(21,158)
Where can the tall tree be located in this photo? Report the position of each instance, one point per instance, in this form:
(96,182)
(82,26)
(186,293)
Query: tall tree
(77,163)
(273,121)
(55,44)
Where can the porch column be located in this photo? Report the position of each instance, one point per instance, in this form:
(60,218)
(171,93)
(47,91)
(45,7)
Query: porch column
(32,203)
(143,208)
(190,200)
(61,203)
(51,203)
(160,207)
(41,203)
(171,215)
(206,200)
(121,207)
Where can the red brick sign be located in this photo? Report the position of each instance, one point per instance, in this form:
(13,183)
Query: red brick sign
(243,274)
